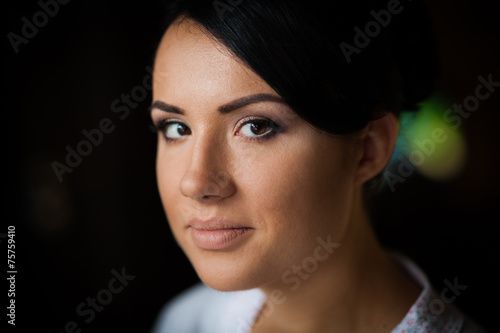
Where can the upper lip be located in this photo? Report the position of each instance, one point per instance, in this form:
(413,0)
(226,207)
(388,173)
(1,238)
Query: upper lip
(215,223)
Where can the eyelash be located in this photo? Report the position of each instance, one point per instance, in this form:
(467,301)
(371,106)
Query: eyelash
(162,124)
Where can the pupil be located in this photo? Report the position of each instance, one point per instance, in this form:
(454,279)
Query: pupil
(182,130)
(257,129)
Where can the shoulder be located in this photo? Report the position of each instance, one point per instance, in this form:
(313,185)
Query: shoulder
(201,309)
(433,311)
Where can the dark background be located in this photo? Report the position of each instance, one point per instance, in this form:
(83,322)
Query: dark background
(107,215)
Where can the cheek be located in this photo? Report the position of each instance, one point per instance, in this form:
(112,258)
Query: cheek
(168,173)
(298,192)
(164,174)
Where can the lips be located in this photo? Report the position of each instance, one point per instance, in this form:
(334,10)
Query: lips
(218,234)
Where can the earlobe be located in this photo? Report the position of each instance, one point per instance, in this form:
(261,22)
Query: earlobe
(378,141)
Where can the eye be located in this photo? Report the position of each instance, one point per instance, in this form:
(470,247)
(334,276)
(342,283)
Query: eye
(173,130)
(256,128)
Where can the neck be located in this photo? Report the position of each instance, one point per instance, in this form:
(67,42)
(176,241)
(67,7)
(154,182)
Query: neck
(356,289)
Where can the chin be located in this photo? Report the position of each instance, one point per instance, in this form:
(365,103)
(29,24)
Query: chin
(224,275)
(226,284)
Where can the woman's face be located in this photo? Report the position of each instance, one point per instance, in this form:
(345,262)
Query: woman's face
(247,185)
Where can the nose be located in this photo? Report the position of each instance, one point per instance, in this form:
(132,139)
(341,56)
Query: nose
(206,178)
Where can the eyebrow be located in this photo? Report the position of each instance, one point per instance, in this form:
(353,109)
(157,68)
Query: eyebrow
(223,109)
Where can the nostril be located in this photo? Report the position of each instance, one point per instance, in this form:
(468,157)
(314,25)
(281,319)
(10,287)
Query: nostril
(208,197)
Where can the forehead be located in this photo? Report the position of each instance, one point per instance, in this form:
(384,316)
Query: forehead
(191,64)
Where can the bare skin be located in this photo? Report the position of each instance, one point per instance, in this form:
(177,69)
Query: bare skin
(287,185)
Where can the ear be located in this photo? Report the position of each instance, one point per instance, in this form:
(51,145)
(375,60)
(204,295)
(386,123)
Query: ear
(378,140)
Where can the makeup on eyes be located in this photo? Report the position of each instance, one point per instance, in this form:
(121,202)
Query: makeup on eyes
(256,123)
(272,127)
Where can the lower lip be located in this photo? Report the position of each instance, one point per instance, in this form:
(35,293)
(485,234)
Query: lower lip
(218,239)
